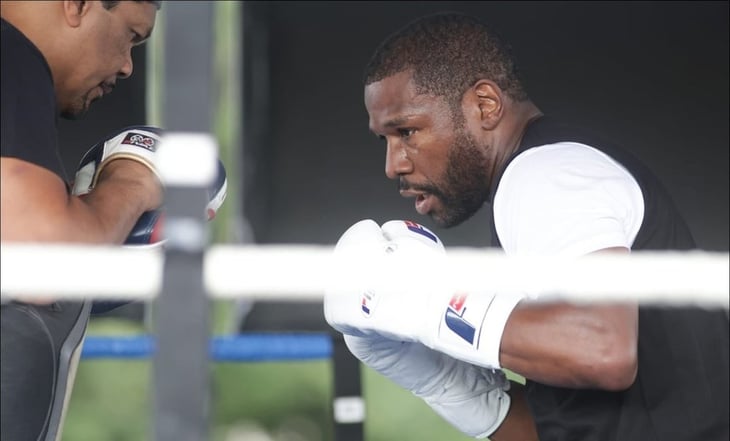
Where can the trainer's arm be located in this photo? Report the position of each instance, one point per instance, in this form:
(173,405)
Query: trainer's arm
(573,346)
(36,206)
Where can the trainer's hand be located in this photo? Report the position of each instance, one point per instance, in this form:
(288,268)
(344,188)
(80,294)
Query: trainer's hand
(127,155)
(390,282)
(148,229)
(471,398)
(130,155)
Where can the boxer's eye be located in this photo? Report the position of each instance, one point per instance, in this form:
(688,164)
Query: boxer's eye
(406,133)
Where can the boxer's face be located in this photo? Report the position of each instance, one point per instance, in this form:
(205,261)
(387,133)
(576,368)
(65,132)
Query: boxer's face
(100,46)
(433,155)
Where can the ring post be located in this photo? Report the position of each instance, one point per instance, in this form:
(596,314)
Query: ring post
(181,378)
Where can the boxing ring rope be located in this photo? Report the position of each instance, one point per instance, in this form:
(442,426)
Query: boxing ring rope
(304,272)
(254,271)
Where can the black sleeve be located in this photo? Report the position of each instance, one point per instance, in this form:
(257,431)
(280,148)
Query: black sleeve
(28,113)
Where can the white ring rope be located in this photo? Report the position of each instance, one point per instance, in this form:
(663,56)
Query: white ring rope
(303,272)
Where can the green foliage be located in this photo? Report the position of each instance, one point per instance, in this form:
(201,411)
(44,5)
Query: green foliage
(110,399)
(275,397)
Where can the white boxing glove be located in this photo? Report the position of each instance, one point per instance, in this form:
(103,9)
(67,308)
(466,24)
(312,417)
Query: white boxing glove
(471,398)
(362,300)
(390,282)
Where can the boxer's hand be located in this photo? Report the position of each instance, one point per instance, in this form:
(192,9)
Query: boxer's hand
(377,281)
(390,282)
(387,299)
(473,399)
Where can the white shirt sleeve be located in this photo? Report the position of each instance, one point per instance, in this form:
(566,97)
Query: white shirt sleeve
(566,199)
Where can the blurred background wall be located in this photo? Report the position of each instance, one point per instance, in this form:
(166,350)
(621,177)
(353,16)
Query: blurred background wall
(652,74)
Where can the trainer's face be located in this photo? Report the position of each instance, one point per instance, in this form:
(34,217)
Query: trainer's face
(102,51)
(432,154)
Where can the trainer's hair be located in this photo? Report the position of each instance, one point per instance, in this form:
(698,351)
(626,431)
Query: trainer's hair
(109,4)
(447,52)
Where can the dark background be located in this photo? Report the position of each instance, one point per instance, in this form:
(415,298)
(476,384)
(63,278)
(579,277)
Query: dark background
(654,75)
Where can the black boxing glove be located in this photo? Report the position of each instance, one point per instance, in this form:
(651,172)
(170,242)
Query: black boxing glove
(138,143)
(148,229)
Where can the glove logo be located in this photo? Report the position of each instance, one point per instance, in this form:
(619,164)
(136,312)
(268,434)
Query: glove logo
(455,321)
(140,140)
(419,229)
(368,302)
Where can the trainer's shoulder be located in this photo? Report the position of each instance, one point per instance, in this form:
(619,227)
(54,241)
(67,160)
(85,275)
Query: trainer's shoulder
(20,55)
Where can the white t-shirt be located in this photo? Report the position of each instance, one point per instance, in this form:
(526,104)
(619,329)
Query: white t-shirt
(566,199)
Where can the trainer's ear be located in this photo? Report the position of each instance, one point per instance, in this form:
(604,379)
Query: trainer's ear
(485,102)
(74,11)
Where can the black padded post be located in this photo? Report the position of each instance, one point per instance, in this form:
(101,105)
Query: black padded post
(181,374)
(348,404)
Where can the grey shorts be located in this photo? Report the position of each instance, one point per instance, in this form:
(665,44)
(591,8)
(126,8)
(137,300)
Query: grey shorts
(40,349)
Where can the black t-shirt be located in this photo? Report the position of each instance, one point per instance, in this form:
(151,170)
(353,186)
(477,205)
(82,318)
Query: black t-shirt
(681,389)
(29,112)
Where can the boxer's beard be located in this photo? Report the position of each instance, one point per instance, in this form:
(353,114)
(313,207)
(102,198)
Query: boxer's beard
(464,187)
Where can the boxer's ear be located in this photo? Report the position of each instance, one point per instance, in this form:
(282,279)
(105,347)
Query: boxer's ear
(483,104)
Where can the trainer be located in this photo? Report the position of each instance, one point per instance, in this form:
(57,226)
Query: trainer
(57,59)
